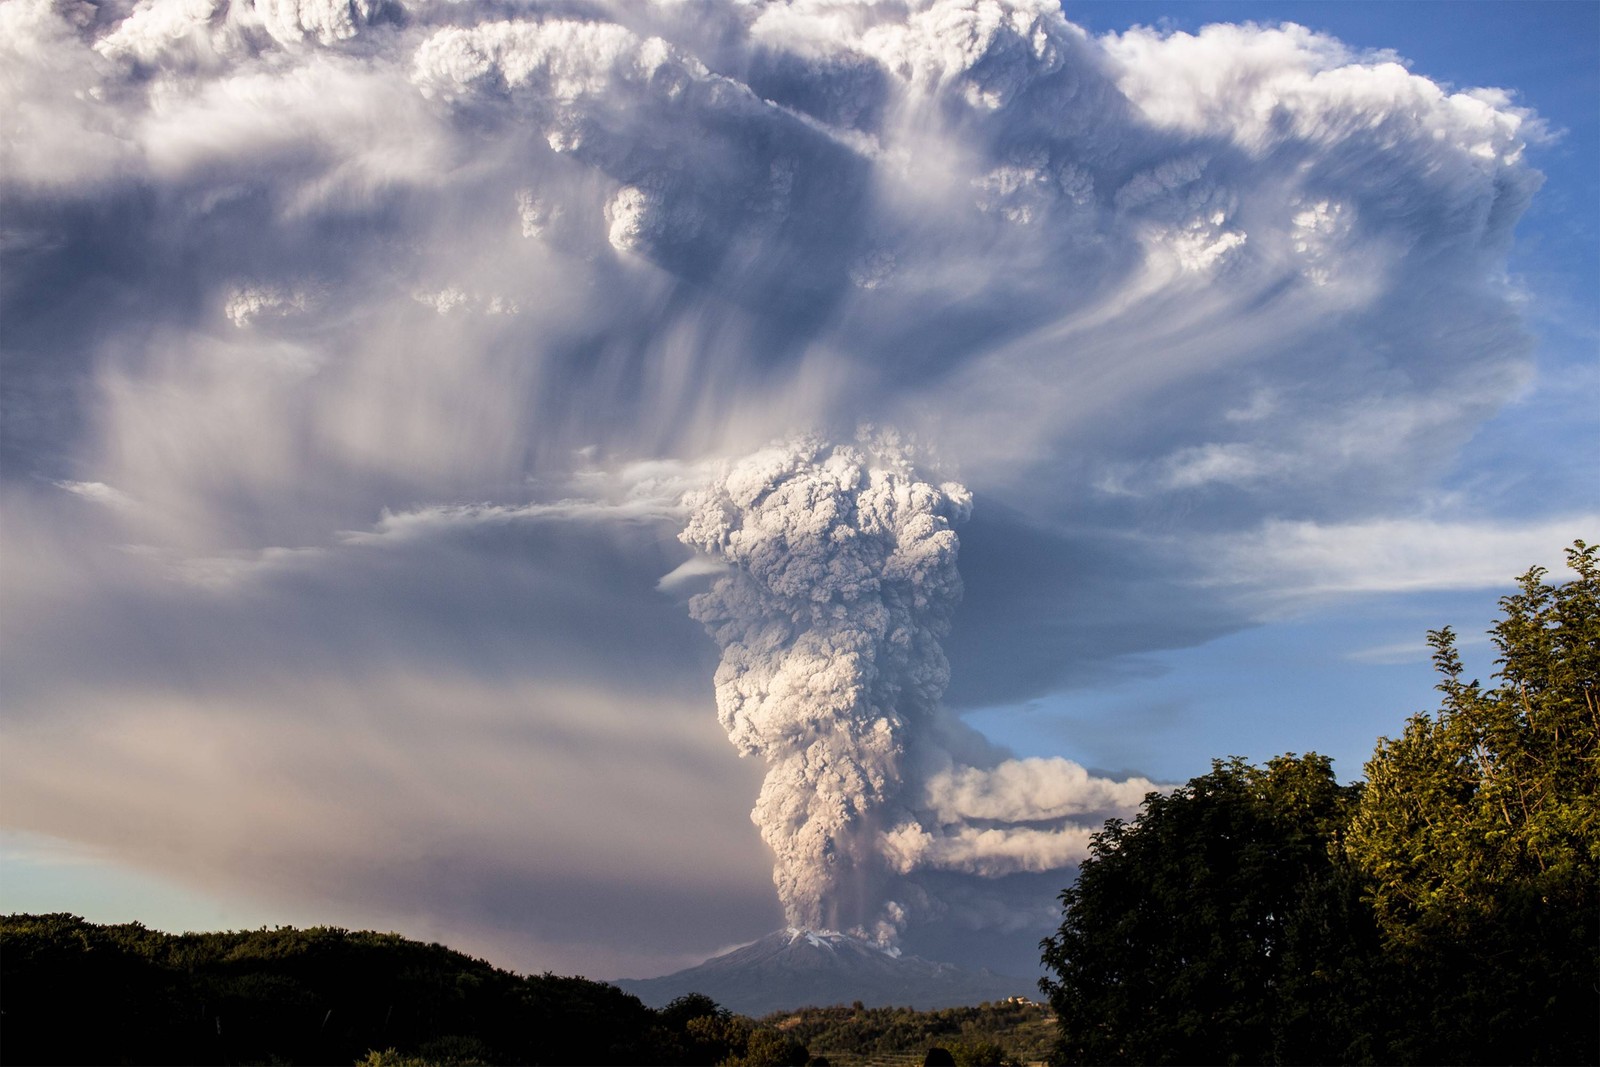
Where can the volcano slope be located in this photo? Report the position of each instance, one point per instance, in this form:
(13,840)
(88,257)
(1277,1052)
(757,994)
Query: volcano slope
(794,968)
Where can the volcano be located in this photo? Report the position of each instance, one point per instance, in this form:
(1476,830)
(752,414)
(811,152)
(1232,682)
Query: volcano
(799,968)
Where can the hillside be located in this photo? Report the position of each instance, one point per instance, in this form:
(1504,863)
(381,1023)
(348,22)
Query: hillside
(78,992)
(792,968)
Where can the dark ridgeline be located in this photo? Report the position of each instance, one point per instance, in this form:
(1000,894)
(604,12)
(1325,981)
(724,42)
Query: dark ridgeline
(74,992)
(77,992)
(794,968)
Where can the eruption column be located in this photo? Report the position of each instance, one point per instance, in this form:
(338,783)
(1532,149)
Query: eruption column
(841,584)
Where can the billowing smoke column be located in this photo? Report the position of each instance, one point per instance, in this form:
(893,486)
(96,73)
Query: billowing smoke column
(838,583)
(842,584)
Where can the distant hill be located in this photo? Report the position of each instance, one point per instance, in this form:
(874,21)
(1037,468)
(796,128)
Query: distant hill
(794,968)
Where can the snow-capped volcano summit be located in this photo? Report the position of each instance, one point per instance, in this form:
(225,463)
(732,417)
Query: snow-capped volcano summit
(793,968)
(831,940)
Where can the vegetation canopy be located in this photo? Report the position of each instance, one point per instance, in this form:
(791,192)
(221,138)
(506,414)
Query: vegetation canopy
(78,992)
(1446,910)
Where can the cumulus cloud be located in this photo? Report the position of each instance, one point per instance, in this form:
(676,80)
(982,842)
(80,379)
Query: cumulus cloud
(397,333)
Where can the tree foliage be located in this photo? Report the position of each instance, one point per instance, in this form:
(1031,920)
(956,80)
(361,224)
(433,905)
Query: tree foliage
(1480,834)
(1199,930)
(1015,1031)
(77,992)
(1445,911)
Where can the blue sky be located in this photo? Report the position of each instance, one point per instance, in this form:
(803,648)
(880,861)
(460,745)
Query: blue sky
(360,376)
(1334,677)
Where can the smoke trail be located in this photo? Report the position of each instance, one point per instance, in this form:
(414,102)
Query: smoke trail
(842,583)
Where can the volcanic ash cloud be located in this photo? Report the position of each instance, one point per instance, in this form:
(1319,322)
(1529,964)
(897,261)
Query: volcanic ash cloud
(841,584)
(838,585)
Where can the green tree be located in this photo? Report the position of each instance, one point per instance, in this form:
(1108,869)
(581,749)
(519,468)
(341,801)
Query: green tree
(78,992)
(1447,911)
(770,1048)
(1480,831)
(979,1054)
(1199,932)
(691,1006)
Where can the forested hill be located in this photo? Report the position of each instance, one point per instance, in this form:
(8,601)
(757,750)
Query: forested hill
(77,992)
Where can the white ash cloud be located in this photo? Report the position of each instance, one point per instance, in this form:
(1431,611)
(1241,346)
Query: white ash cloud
(1016,815)
(837,586)
(1029,790)
(988,851)
(843,583)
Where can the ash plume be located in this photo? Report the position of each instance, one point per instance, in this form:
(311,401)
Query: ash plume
(840,585)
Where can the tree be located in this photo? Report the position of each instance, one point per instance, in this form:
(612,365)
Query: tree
(1447,911)
(78,992)
(1480,831)
(979,1054)
(770,1048)
(1196,933)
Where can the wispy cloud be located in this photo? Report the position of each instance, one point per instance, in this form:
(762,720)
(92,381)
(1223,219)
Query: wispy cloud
(437,518)
(1304,559)
(46,851)
(98,493)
